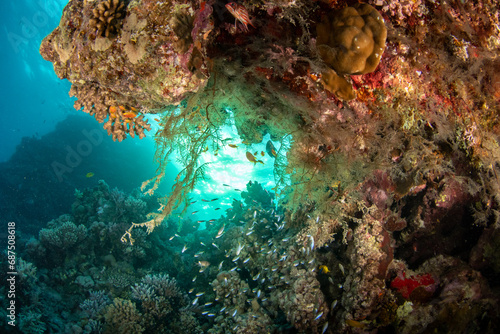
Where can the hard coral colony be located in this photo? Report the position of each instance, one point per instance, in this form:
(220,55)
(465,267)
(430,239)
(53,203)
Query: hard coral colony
(385,211)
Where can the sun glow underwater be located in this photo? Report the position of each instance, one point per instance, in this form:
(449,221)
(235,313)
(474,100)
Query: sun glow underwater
(229,171)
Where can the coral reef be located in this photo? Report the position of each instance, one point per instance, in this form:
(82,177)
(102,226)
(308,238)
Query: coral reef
(140,70)
(385,217)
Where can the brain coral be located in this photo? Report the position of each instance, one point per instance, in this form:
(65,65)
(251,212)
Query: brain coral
(352,40)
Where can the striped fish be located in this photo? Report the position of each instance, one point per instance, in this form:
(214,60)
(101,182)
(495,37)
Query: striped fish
(240,13)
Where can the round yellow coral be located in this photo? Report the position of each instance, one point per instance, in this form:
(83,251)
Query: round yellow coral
(352,40)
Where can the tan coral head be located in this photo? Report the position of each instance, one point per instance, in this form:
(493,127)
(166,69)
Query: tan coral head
(352,40)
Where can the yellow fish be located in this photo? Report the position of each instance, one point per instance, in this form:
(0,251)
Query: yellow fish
(324,269)
(129,114)
(354,323)
(89,174)
(252,158)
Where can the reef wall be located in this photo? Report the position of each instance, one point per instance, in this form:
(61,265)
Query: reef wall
(390,181)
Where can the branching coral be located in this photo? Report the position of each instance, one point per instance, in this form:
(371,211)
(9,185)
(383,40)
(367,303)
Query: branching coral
(107,18)
(121,120)
(122,317)
(93,307)
(63,236)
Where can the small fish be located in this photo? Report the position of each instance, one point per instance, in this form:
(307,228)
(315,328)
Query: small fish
(216,209)
(318,316)
(208,304)
(226,185)
(252,158)
(199,294)
(240,13)
(262,153)
(220,233)
(239,248)
(334,304)
(236,259)
(194,212)
(194,279)
(191,290)
(156,119)
(220,265)
(129,114)
(203,264)
(312,241)
(324,269)
(222,309)
(170,239)
(211,314)
(232,145)
(246,260)
(184,248)
(205,200)
(341,267)
(215,245)
(270,149)
(234,313)
(212,220)
(89,174)
(325,327)
(195,301)
(354,323)
(204,312)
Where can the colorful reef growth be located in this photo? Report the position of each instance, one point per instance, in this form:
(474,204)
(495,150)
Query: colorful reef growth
(387,113)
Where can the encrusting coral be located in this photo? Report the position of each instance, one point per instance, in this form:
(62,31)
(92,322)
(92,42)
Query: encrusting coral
(107,18)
